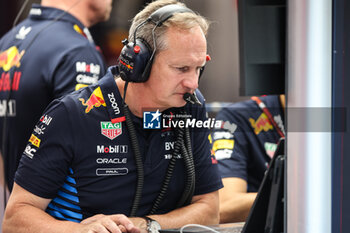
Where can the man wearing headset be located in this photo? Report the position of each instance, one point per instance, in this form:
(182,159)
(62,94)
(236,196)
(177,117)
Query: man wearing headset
(49,54)
(243,148)
(97,163)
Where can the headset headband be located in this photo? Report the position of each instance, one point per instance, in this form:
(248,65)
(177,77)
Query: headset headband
(162,14)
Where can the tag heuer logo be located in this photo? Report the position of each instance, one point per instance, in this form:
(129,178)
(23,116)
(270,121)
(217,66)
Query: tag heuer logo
(111,130)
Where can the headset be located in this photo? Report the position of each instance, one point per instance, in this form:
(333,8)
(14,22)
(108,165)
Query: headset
(136,58)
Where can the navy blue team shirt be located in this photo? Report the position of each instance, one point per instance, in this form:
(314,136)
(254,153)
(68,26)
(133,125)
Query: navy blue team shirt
(46,56)
(245,144)
(82,158)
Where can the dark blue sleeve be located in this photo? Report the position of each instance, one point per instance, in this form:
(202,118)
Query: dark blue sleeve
(78,68)
(230,143)
(207,174)
(45,161)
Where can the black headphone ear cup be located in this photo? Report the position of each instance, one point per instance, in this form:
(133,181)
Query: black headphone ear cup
(133,61)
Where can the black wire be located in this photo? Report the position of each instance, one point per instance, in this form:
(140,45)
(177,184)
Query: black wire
(189,165)
(154,43)
(124,95)
(171,166)
(191,159)
(138,161)
(183,143)
(20,12)
(138,26)
(188,192)
(137,154)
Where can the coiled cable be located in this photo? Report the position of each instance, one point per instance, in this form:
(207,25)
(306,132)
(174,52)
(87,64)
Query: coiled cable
(182,147)
(137,154)
(171,166)
(190,182)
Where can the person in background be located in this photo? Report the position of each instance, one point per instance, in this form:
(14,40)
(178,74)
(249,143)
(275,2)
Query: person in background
(243,148)
(105,161)
(48,55)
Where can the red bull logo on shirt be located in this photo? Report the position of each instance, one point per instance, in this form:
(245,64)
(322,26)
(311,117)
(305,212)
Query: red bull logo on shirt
(10,58)
(95,100)
(6,84)
(262,123)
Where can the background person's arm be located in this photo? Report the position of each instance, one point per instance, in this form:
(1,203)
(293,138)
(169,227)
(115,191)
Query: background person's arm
(235,202)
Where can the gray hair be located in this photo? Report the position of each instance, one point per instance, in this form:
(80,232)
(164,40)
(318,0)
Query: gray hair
(185,21)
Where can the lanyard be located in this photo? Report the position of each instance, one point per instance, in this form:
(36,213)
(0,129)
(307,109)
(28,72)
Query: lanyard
(263,107)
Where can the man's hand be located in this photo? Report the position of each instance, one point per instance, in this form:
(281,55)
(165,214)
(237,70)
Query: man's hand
(116,223)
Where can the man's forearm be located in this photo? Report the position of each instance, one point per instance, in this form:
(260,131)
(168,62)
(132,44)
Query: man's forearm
(28,219)
(237,208)
(31,219)
(203,211)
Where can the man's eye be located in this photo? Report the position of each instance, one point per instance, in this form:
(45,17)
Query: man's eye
(182,69)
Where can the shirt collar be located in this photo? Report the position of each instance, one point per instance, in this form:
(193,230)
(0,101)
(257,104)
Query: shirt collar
(112,96)
(49,13)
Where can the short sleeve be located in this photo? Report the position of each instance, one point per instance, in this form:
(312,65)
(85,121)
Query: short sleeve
(230,144)
(47,156)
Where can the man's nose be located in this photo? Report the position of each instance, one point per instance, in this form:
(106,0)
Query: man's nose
(191,81)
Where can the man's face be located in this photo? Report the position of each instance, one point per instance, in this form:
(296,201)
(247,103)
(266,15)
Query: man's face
(175,71)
